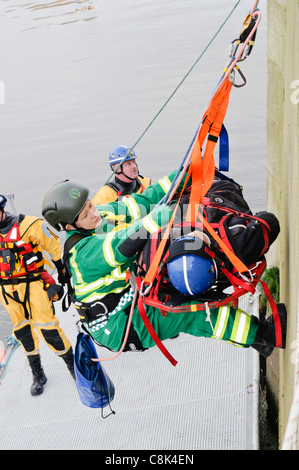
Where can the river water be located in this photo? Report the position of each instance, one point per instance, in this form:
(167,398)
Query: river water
(82,77)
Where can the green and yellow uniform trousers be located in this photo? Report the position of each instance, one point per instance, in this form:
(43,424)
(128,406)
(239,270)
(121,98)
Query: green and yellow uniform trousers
(229,324)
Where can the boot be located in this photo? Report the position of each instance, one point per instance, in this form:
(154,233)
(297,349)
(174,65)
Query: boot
(39,378)
(68,358)
(266,335)
(265,351)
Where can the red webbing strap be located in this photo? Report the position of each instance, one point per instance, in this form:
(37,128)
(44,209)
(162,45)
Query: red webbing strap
(264,225)
(153,334)
(237,282)
(275,315)
(236,262)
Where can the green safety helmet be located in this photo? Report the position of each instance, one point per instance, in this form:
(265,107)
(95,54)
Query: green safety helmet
(63,203)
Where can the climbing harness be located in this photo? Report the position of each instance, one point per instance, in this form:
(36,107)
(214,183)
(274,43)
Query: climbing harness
(20,263)
(18,258)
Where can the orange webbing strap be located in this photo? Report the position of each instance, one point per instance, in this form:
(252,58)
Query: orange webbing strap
(236,262)
(203,167)
(152,271)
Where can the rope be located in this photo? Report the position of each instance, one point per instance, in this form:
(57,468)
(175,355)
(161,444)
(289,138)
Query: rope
(225,368)
(127,329)
(176,89)
(14,344)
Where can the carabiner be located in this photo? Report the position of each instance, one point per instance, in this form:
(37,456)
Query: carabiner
(146,290)
(246,278)
(233,80)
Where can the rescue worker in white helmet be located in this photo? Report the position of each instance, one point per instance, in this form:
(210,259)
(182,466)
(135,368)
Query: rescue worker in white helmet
(126,180)
(23,290)
(98,260)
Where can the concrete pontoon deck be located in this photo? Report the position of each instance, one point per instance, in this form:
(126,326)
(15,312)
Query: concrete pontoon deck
(157,406)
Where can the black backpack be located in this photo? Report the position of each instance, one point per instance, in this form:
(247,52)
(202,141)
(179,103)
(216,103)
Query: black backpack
(248,236)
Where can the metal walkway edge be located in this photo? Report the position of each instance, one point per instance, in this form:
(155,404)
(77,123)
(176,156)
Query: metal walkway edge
(158,406)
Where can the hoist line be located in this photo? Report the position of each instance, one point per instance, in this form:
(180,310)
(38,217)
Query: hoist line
(176,89)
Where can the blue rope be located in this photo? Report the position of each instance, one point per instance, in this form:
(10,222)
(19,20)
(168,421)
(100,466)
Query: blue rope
(10,341)
(176,89)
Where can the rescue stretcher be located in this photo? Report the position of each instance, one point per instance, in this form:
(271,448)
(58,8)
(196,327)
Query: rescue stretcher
(214,297)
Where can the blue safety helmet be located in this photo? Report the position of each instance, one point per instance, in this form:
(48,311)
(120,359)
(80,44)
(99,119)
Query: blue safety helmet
(118,154)
(191,266)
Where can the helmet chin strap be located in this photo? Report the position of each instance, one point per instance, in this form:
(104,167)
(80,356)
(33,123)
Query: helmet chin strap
(80,229)
(122,173)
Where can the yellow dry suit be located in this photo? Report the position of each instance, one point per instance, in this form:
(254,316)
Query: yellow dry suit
(116,190)
(22,292)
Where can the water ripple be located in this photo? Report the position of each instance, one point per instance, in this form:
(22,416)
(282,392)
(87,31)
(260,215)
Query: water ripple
(54,11)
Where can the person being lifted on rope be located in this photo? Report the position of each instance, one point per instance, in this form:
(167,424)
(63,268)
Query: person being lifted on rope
(126,181)
(99,260)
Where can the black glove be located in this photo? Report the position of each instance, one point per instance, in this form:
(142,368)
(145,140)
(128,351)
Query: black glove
(61,272)
(55,289)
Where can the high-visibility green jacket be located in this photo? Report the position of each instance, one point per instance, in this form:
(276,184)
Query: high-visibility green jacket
(99,263)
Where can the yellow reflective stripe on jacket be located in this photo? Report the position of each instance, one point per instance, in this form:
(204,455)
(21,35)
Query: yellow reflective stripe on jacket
(221,323)
(150,225)
(165,184)
(97,296)
(133,208)
(241,327)
(115,275)
(72,261)
(108,251)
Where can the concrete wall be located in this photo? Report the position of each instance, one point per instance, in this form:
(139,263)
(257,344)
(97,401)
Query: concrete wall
(283,182)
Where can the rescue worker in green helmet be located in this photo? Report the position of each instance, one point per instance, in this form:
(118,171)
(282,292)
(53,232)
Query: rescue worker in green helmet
(99,257)
(23,290)
(126,180)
